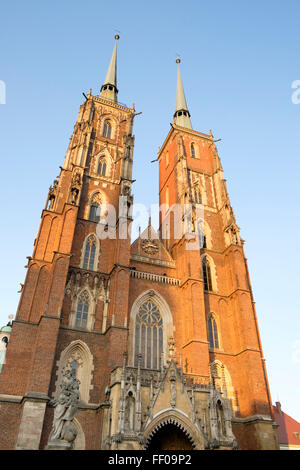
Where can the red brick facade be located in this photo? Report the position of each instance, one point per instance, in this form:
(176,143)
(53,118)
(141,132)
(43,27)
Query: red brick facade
(44,326)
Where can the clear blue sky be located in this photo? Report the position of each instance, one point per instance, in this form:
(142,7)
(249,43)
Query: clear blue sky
(239,60)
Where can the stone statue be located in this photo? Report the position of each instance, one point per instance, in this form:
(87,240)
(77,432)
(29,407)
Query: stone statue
(173,388)
(171,344)
(76,179)
(74,195)
(66,406)
(52,195)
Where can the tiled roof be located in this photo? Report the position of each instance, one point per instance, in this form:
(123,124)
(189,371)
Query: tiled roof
(288,428)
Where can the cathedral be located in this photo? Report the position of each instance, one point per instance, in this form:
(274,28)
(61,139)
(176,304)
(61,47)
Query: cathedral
(159,335)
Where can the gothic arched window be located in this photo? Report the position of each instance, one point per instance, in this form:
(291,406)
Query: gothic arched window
(148,335)
(107,129)
(76,358)
(89,253)
(95,207)
(213,332)
(101,168)
(206,274)
(94,212)
(193,153)
(82,311)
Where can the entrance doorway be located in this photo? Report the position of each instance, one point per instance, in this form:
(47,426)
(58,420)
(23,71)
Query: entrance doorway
(169,437)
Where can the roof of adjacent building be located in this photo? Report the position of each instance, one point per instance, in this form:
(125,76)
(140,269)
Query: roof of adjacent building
(288,428)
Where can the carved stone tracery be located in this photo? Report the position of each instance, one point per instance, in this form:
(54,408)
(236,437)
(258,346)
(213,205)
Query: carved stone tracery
(77,351)
(93,285)
(208,423)
(150,246)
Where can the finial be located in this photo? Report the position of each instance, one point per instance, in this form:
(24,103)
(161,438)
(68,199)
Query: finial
(178,61)
(117,37)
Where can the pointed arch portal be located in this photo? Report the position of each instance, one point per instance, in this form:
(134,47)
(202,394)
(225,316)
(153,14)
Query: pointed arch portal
(170,437)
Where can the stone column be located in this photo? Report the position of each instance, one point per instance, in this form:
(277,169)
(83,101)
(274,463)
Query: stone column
(32,421)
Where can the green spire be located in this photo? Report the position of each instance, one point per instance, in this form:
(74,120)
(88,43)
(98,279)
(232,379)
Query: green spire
(181,115)
(109,88)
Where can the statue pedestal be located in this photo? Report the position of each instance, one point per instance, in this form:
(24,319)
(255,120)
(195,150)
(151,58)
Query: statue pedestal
(58,445)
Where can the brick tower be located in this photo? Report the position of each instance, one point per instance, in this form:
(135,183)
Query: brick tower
(162,335)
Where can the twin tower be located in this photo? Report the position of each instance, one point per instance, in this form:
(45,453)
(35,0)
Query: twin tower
(162,337)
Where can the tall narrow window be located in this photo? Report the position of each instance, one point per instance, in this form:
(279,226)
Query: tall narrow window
(206,274)
(167,159)
(107,129)
(94,212)
(202,239)
(167,197)
(89,253)
(82,310)
(74,366)
(101,168)
(193,153)
(213,332)
(149,336)
(201,235)
(198,198)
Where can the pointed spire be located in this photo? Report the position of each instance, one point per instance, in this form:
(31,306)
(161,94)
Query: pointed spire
(109,88)
(181,115)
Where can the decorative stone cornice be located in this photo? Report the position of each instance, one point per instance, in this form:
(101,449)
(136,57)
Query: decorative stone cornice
(251,419)
(36,396)
(113,104)
(10,398)
(185,131)
(155,277)
(147,259)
